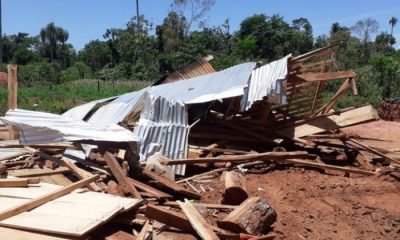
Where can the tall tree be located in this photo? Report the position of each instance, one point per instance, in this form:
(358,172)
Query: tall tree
(194,11)
(392,22)
(365,29)
(50,36)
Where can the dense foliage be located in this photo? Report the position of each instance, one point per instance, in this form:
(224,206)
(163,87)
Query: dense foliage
(144,51)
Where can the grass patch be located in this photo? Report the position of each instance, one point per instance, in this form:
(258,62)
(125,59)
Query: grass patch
(60,98)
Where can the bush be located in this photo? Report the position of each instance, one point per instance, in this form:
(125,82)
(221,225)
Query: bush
(77,71)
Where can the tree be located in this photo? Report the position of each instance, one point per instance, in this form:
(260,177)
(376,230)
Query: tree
(50,36)
(193,11)
(96,54)
(364,29)
(392,22)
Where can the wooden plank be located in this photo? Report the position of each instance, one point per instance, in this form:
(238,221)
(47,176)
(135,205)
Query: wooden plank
(48,197)
(180,221)
(18,182)
(37,172)
(242,158)
(12,86)
(17,234)
(196,220)
(171,185)
(143,232)
(327,166)
(206,205)
(149,189)
(322,124)
(80,173)
(373,151)
(119,174)
(313,77)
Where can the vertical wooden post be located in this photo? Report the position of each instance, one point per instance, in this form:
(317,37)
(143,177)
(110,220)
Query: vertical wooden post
(12,86)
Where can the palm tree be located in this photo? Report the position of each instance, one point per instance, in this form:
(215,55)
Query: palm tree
(50,36)
(392,22)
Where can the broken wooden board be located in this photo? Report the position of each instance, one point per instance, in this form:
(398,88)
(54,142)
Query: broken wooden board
(343,119)
(74,214)
(171,185)
(119,174)
(37,172)
(197,221)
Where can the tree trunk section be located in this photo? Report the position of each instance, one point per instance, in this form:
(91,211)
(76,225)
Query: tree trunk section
(253,216)
(235,188)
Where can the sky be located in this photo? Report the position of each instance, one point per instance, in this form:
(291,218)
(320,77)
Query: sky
(87,20)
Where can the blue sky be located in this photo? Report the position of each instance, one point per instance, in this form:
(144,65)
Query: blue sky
(87,20)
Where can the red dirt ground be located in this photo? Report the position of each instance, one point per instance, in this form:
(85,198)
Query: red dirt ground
(313,205)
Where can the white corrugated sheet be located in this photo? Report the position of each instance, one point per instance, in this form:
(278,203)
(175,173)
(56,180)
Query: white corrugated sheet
(80,112)
(266,80)
(115,111)
(163,127)
(223,84)
(40,127)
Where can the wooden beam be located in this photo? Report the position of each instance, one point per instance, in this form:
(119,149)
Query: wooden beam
(242,158)
(198,223)
(366,147)
(306,163)
(37,172)
(326,76)
(143,232)
(171,185)
(119,174)
(18,182)
(80,173)
(206,205)
(46,198)
(149,189)
(180,221)
(12,86)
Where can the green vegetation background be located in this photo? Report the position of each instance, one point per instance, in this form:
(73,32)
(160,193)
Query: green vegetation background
(50,70)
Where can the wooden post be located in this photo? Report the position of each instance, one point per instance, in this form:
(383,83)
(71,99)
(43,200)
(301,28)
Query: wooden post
(12,86)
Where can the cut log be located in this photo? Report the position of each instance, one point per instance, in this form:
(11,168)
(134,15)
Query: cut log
(198,223)
(205,205)
(235,188)
(253,216)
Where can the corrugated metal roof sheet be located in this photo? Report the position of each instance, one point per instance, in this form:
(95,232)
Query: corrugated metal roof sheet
(223,84)
(115,111)
(199,68)
(40,127)
(164,123)
(80,112)
(266,80)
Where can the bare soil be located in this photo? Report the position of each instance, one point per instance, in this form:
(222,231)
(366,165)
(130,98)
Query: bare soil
(315,205)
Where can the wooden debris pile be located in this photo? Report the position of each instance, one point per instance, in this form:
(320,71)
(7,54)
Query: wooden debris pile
(390,110)
(105,195)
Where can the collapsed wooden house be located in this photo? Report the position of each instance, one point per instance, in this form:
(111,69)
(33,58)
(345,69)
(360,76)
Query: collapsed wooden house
(245,117)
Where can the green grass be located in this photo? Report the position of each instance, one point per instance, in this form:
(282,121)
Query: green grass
(60,98)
